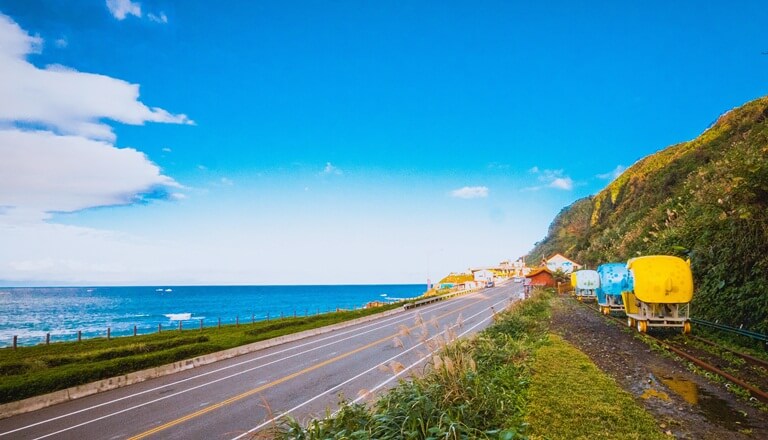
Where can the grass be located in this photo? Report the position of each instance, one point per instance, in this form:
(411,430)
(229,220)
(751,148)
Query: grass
(472,389)
(40,369)
(570,398)
(512,381)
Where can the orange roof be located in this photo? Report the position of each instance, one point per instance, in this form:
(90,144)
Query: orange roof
(538,271)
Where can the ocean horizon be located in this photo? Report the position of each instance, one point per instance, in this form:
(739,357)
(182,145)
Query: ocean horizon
(32,312)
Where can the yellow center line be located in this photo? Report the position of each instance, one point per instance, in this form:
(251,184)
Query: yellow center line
(273,383)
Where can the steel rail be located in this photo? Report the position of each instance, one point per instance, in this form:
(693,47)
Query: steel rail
(756,361)
(752,390)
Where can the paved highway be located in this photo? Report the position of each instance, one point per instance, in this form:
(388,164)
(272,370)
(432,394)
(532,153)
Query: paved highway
(239,396)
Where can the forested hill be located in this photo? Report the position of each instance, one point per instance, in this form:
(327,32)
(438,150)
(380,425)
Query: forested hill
(706,199)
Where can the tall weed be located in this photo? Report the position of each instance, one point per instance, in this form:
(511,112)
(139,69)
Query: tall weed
(472,388)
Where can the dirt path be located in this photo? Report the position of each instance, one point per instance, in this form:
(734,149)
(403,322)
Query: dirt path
(686,405)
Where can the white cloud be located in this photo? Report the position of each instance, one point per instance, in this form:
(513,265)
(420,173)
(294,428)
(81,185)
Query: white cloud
(330,170)
(470,192)
(564,183)
(62,99)
(167,150)
(61,43)
(69,162)
(162,18)
(120,9)
(14,42)
(550,179)
(123,8)
(226,181)
(612,175)
(42,172)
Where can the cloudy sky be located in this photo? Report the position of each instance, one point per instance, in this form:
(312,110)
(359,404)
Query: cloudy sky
(161,142)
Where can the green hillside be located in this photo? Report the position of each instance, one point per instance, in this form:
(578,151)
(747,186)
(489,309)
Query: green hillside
(706,199)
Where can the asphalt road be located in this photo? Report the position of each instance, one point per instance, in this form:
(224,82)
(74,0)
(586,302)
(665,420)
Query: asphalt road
(233,398)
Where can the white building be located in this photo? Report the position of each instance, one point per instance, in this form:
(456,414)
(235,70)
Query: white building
(482,275)
(558,262)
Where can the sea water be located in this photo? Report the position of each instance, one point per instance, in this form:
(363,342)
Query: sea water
(31,313)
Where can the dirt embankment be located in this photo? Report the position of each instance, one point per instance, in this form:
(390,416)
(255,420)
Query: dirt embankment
(686,405)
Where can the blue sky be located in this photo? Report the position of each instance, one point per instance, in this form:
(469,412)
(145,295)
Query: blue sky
(161,142)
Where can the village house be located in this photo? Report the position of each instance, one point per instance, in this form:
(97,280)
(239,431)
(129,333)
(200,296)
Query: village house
(559,262)
(540,277)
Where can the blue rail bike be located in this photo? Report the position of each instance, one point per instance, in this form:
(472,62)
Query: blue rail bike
(615,278)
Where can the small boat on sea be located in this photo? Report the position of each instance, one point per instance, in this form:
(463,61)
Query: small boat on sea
(179,316)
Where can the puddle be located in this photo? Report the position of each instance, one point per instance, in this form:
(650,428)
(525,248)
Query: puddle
(684,388)
(652,392)
(713,408)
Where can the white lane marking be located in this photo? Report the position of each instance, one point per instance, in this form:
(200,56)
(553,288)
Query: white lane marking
(377,387)
(394,319)
(306,402)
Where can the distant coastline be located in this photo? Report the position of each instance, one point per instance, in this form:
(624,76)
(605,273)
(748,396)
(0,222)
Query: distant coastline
(32,312)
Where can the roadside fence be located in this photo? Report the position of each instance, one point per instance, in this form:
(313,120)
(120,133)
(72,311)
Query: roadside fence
(179,325)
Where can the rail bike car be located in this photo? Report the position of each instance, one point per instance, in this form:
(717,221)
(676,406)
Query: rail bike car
(573,283)
(587,281)
(663,289)
(614,279)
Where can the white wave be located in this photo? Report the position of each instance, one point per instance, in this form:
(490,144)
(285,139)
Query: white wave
(179,316)
(169,290)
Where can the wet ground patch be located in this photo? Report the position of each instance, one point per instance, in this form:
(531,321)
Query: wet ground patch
(642,371)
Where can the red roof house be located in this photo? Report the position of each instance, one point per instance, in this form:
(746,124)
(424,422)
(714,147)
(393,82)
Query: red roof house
(541,277)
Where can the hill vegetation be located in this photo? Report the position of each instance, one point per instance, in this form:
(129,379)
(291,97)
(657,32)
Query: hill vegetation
(706,200)
(457,278)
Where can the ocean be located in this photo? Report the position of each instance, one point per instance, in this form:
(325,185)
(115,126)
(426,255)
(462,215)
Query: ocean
(31,312)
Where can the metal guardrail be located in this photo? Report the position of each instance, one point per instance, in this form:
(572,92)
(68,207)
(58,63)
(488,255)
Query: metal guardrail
(738,331)
(432,299)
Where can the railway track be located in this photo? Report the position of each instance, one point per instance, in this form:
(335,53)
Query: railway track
(746,371)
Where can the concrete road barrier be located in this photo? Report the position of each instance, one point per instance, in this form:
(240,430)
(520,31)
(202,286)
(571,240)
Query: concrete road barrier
(72,393)
(433,299)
